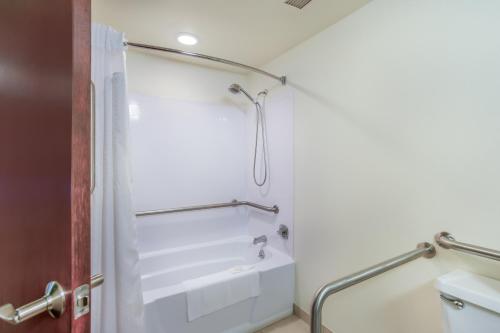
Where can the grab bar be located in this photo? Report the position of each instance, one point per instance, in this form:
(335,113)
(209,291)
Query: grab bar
(423,250)
(92,137)
(446,241)
(235,203)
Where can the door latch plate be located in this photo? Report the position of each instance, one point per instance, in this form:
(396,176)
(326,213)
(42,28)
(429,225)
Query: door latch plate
(81,301)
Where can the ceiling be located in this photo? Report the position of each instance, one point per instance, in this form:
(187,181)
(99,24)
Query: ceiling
(248,31)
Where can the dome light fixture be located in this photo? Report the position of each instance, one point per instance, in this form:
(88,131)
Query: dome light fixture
(187,39)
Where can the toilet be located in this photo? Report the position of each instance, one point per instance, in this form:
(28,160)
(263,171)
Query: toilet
(470,303)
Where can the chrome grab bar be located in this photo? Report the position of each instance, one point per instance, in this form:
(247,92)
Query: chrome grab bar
(53,302)
(423,250)
(92,137)
(235,203)
(445,240)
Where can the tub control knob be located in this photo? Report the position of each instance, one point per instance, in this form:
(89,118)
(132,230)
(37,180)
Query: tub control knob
(283,231)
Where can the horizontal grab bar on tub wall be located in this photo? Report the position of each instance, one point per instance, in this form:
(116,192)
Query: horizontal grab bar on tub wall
(235,203)
(423,250)
(445,240)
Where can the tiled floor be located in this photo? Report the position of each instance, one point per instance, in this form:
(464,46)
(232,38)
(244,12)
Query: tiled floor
(291,324)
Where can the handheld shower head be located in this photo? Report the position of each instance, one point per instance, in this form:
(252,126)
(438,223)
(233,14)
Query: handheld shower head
(236,89)
(259,131)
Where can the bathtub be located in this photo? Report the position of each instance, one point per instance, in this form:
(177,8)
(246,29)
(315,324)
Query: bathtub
(163,272)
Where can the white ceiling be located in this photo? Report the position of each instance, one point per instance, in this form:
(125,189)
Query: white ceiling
(248,31)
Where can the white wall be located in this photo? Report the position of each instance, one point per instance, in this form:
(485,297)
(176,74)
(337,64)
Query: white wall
(397,137)
(155,75)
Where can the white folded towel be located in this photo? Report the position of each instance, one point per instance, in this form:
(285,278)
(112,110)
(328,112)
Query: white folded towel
(213,292)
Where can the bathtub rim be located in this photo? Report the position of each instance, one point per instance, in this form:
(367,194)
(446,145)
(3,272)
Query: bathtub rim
(275,260)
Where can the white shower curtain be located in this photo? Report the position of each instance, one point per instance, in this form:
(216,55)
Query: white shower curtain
(117,306)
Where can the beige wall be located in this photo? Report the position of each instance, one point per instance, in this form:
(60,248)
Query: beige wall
(168,77)
(397,137)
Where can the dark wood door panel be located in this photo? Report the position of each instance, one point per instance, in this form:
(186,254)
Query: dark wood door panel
(44,199)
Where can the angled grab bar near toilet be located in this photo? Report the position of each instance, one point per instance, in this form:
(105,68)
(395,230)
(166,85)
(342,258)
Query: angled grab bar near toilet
(446,241)
(426,250)
(235,203)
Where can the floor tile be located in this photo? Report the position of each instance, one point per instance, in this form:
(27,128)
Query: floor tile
(291,324)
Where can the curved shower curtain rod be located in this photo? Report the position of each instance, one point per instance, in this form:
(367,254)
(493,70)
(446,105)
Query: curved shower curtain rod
(281,79)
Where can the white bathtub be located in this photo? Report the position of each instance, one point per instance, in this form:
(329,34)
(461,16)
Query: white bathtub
(165,297)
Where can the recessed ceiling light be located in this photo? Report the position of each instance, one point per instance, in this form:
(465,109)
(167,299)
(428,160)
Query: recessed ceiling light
(187,39)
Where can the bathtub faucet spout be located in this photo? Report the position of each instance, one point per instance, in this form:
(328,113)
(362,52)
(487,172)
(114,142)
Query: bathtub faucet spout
(260,239)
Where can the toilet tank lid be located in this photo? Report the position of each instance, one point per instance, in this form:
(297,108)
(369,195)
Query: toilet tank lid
(471,288)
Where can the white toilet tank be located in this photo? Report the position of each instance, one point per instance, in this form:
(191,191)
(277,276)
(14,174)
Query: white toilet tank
(480,297)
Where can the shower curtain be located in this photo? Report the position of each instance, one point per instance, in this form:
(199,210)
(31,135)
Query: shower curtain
(117,306)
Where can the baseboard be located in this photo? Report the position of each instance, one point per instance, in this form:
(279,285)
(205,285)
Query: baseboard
(307,318)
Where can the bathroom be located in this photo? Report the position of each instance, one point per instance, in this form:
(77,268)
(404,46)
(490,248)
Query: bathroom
(263,166)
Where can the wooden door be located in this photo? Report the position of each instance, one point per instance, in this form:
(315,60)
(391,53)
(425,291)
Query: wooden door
(44,155)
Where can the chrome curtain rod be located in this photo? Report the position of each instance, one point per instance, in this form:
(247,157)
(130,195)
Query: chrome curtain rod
(423,250)
(281,79)
(447,241)
(235,203)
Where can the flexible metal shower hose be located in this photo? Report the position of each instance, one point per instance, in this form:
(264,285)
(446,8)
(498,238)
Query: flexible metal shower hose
(260,123)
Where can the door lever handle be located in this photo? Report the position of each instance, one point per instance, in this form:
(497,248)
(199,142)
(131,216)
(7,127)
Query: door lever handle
(96,280)
(53,302)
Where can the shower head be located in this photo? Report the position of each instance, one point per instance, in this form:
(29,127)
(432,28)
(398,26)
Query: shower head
(236,89)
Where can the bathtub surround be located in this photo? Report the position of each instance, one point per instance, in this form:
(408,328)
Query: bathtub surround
(118,306)
(191,145)
(206,141)
(184,154)
(397,132)
(278,113)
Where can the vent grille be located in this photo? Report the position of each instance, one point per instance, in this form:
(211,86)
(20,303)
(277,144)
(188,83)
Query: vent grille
(297,3)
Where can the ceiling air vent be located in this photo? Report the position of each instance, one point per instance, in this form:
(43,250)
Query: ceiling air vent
(297,3)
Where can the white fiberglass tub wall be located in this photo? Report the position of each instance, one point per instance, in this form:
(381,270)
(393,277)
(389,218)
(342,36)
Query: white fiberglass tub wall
(187,153)
(190,145)
(279,187)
